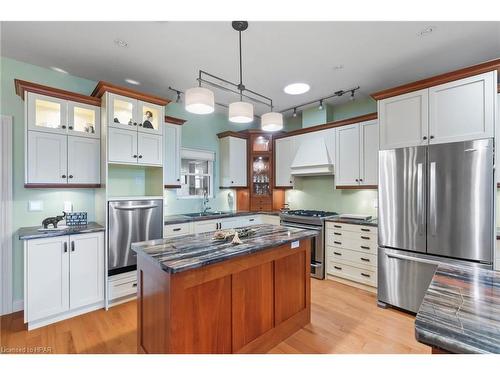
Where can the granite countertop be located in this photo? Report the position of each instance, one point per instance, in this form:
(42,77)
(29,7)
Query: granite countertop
(178,219)
(371,222)
(30,233)
(460,312)
(197,250)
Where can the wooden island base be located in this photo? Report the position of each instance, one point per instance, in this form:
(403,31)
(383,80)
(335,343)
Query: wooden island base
(247,304)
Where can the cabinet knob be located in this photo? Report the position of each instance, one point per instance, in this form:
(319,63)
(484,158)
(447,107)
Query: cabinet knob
(432,137)
(70,176)
(63,176)
(232,182)
(135,156)
(178,179)
(140,124)
(70,127)
(135,123)
(140,156)
(357,180)
(360,179)
(424,138)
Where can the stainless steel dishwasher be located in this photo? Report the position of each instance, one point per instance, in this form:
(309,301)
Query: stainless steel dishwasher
(128,222)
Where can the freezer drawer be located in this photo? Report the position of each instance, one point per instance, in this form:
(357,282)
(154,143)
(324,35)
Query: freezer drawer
(403,278)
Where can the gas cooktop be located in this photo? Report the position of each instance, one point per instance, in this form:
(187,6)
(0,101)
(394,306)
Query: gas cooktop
(310,213)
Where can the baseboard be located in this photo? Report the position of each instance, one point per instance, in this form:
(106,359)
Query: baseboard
(368,288)
(17,305)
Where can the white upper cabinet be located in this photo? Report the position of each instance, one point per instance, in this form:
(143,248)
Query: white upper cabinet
(456,111)
(122,111)
(46,277)
(172,135)
(84,120)
(47,158)
(347,156)
(403,120)
(122,145)
(46,113)
(233,162)
(463,110)
(149,118)
(83,160)
(86,269)
(285,153)
(368,147)
(149,149)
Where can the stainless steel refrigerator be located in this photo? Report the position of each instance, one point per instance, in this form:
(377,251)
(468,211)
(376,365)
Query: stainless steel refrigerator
(436,205)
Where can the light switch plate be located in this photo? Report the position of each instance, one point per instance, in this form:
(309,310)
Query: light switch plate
(35,205)
(68,206)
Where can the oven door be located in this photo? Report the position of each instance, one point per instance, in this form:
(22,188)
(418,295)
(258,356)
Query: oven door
(317,249)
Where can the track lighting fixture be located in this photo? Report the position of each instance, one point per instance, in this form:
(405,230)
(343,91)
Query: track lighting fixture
(294,112)
(320,104)
(352,96)
(178,100)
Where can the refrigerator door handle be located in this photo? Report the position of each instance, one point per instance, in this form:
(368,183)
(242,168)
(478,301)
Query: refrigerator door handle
(420,198)
(432,198)
(413,259)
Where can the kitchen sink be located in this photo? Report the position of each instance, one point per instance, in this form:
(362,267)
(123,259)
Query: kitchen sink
(208,213)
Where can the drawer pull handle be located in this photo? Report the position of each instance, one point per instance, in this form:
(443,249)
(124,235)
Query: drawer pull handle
(337,242)
(176,229)
(365,229)
(337,226)
(365,259)
(365,274)
(251,219)
(337,233)
(134,285)
(337,268)
(337,253)
(365,247)
(365,238)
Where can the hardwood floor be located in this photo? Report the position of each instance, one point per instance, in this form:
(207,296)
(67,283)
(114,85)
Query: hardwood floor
(344,320)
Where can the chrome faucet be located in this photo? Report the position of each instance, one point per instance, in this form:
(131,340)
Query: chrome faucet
(205,202)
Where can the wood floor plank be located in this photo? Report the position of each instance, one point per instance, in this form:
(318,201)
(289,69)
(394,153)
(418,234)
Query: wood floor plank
(344,319)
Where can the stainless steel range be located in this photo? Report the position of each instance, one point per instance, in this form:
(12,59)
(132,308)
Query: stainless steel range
(311,219)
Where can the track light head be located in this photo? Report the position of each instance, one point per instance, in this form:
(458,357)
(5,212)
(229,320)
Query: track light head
(352,95)
(178,100)
(320,105)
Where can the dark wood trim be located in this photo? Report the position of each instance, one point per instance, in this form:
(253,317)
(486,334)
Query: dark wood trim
(436,350)
(438,79)
(23,86)
(172,186)
(103,86)
(329,125)
(174,120)
(232,134)
(62,186)
(283,187)
(498,87)
(498,185)
(357,187)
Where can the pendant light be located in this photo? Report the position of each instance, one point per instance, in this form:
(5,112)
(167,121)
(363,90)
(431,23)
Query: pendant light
(240,112)
(199,100)
(271,121)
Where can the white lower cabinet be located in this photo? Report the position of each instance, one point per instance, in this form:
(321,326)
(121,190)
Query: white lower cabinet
(205,226)
(351,252)
(63,277)
(175,230)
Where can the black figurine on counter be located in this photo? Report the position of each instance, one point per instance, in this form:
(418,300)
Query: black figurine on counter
(52,220)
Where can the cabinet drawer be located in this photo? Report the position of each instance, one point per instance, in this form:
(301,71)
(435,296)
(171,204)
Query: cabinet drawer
(342,234)
(123,287)
(351,227)
(352,273)
(355,258)
(174,230)
(365,246)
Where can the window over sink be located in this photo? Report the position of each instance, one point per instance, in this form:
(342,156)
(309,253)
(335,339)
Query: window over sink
(196,174)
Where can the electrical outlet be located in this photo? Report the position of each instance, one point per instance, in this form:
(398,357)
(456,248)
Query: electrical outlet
(35,205)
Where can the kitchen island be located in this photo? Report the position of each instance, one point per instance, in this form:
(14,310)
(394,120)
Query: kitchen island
(460,312)
(198,295)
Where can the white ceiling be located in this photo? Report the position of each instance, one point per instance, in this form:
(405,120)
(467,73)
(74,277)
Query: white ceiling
(375,55)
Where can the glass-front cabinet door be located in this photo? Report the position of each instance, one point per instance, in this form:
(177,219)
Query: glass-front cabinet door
(83,120)
(47,114)
(149,117)
(261,176)
(122,112)
(261,143)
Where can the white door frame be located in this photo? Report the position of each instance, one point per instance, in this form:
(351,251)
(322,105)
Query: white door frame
(6,214)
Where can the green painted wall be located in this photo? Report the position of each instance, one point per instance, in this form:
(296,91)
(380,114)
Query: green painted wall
(315,116)
(354,108)
(13,105)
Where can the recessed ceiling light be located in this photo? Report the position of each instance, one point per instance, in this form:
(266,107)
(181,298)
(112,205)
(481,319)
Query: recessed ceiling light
(121,43)
(59,70)
(427,31)
(132,81)
(296,88)
(338,67)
